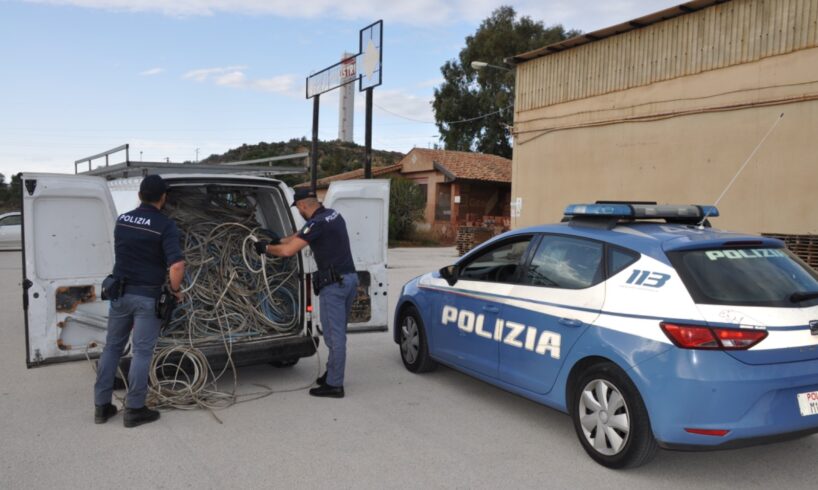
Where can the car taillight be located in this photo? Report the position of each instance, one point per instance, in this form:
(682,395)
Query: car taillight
(698,337)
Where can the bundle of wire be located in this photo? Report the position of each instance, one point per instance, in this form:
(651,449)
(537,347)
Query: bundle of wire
(258,294)
(232,294)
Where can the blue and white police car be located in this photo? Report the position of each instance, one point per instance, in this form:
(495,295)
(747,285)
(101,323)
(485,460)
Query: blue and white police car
(647,326)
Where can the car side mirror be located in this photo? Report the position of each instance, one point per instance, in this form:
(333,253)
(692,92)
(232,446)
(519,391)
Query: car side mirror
(450,274)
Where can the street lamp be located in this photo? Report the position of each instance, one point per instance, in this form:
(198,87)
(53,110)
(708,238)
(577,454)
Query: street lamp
(479,65)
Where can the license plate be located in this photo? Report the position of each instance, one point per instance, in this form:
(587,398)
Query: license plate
(808,403)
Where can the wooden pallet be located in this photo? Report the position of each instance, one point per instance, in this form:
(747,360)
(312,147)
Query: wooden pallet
(804,246)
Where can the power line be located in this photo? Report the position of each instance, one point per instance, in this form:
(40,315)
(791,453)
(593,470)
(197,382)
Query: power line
(449,123)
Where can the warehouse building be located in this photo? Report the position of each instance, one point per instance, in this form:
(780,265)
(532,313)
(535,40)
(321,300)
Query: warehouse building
(668,107)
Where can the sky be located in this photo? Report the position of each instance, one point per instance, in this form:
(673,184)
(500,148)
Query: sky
(172,76)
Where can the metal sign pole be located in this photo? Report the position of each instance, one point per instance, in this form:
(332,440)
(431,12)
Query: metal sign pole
(368,66)
(314,148)
(368,137)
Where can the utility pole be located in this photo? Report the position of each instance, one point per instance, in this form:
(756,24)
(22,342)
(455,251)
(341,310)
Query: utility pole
(197,155)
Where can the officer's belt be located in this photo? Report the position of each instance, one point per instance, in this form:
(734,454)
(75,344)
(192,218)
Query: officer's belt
(147,291)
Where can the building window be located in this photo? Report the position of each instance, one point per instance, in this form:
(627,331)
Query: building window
(443,205)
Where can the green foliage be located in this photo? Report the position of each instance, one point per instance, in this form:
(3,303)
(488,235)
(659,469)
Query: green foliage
(406,204)
(334,157)
(10,193)
(466,94)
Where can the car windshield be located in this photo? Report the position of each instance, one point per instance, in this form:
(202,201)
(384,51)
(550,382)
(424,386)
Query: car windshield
(748,277)
(10,220)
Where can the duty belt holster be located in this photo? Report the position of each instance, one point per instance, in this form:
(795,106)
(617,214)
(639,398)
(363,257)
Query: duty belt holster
(324,278)
(165,304)
(112,287)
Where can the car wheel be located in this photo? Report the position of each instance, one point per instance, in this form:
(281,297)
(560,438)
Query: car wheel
(610,418)
(414,350)
(284,363)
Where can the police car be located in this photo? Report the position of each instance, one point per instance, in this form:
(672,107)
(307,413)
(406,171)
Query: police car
(647,326)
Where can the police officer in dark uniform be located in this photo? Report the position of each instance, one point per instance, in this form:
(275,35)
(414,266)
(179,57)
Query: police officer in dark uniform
(336,281)
(147,248)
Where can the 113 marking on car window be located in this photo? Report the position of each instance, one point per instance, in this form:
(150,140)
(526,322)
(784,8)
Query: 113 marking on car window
(647,278)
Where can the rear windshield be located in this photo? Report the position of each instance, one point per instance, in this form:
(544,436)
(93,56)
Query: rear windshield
(747,276)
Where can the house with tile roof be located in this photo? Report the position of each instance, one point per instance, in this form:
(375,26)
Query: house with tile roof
(462,188)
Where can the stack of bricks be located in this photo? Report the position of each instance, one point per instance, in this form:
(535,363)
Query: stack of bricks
(469,237)
(503,223)
(804,246)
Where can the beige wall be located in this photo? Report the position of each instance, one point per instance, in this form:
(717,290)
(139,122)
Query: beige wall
(682,141)
(420,168)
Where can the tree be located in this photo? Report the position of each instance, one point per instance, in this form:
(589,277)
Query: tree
(467,94)
(4,193)
(10,193)
(406,204)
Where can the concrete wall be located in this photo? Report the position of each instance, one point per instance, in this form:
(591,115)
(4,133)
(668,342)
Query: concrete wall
(681,141)
(419,167)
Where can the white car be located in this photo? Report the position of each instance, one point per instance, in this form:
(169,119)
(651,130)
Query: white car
(10,231)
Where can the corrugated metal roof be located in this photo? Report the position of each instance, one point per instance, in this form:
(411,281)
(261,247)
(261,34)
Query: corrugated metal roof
(662,15)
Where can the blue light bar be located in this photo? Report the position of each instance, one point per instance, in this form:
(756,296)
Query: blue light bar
(609,210)
(670,212)
(709,211)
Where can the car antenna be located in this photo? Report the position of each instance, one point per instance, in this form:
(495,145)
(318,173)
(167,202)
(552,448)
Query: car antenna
(760,143)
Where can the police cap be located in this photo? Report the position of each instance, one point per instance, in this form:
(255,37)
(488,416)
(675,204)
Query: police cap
(302,194)
(153,185)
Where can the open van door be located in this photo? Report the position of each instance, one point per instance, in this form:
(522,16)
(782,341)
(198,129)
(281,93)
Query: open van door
(68,249)
(364,204)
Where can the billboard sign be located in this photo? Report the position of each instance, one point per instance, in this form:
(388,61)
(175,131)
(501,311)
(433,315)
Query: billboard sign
(365,66)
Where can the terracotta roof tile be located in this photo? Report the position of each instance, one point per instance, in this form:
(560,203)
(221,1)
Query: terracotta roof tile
(455,164)
(470,166)
(353,174)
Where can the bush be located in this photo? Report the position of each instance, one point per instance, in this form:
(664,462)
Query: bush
(406,205)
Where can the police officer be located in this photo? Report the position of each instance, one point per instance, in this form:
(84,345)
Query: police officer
(146,244)
(336,281)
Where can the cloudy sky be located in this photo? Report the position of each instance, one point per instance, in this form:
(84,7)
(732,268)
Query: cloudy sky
(171,76)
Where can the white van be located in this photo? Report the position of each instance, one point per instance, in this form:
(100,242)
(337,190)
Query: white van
(68,249)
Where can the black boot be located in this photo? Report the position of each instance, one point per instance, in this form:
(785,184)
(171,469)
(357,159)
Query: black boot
(139,416)
(103,412)
(326,390)
(322,380)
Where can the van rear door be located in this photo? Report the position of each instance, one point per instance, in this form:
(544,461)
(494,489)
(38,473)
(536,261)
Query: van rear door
(68,249)
(364,204)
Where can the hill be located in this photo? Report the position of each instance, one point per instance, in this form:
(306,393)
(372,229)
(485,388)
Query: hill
(334,157)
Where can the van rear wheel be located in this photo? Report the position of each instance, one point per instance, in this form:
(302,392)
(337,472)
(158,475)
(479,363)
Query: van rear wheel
(284,363)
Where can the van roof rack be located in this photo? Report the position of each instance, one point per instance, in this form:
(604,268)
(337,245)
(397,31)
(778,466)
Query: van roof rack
(608,214)
(129,168)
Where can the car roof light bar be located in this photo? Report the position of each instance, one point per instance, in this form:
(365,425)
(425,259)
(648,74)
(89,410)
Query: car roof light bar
(637,211)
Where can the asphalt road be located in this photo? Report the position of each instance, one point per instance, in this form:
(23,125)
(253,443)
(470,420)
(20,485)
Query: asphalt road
(393,430)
